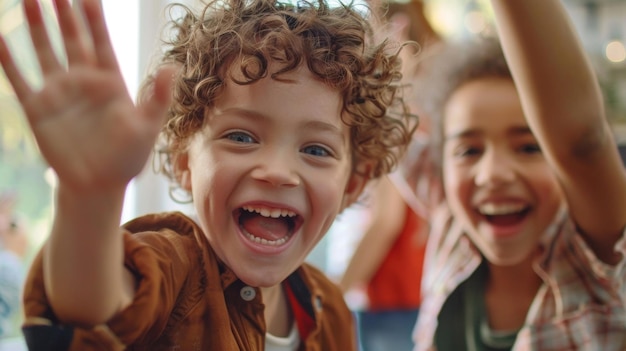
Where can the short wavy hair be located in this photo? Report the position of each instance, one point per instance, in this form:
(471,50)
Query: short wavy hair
(240,38)
(443,69)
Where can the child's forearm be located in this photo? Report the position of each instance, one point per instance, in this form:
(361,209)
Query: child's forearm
(84,270)
(553,75)
(563,104)
(388,216)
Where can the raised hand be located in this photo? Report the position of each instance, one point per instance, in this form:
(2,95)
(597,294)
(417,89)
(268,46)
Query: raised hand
(85,123)
(96,139)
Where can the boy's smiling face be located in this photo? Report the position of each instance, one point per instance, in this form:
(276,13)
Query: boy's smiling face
(496,180)
(269,172)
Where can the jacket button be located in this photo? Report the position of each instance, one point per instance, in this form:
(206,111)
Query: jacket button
(247,293)
(318,303)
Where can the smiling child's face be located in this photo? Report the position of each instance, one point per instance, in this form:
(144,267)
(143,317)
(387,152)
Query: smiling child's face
(496,179)
(269,172)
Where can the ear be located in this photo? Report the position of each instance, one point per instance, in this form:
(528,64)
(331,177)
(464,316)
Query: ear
(181,170)
(357,182)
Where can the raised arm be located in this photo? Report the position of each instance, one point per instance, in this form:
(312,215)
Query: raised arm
(96,140)
(564,107)
(388,216)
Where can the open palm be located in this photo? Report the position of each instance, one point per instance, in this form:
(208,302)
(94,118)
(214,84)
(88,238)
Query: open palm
(85,123)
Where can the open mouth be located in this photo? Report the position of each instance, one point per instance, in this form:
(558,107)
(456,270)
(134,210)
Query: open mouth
(268,226)
(504,214)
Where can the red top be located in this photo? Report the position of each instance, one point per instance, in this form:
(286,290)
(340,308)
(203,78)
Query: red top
(397,283)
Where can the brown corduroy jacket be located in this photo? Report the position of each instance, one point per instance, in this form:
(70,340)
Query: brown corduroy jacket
(187,300)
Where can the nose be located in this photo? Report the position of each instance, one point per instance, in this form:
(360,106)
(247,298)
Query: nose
(494,168)
(277,170)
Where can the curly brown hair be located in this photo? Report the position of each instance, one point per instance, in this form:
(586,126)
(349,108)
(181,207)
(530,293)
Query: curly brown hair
(240,38)
(444,68)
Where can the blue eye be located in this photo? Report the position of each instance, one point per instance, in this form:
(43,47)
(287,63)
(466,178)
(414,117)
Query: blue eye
(316,150)
(240,137)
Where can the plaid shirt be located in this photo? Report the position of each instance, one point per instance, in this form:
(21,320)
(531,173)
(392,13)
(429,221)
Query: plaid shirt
(580,305)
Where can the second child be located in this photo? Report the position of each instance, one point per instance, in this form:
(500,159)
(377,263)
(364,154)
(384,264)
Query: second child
(527,250)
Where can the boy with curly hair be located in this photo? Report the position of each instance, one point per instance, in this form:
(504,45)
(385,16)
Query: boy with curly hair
(276,116)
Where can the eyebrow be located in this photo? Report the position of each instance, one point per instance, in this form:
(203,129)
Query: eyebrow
(469,133)
(311,124)
(323,126)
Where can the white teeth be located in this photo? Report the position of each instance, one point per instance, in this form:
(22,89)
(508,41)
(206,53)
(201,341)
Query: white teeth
(270,212)
(500,209)
(262,241)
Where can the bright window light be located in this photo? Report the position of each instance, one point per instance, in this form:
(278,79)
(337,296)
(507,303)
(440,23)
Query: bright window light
(123,23)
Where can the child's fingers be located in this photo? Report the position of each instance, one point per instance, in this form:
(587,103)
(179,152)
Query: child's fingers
(70,29)
(155,106)
(20,86)
(39,35)
(100,35)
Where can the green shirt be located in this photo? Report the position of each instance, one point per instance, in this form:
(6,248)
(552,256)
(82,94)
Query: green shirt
(463,324)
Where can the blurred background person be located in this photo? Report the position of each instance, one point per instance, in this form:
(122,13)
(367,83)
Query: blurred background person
(13,248)
(386,266)
(382,279)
